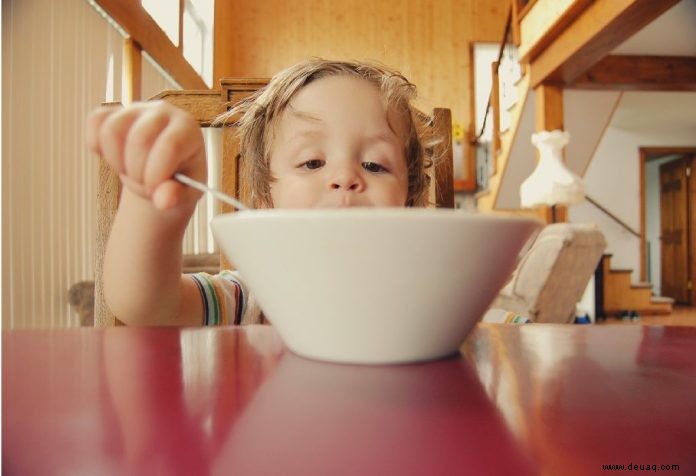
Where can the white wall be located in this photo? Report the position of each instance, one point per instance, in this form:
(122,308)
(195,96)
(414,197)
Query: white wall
(586,115)
(643,119)
(522,159)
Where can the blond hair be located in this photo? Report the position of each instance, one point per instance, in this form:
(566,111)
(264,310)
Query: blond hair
(261,111)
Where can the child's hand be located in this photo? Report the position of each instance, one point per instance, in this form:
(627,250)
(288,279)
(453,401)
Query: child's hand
(146,143)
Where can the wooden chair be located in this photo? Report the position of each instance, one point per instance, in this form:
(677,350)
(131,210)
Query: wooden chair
(205,106)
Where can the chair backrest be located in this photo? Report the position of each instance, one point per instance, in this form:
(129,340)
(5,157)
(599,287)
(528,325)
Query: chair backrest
(553,274)
(206,106)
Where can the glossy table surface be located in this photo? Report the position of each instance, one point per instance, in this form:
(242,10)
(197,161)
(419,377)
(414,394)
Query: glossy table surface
(532,399)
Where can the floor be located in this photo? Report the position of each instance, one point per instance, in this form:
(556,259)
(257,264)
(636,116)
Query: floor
(681,316)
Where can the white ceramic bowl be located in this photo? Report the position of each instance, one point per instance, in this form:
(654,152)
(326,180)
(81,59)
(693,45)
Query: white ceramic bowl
(366,285)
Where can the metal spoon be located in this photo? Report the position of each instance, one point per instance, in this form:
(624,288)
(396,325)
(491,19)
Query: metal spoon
(223,197)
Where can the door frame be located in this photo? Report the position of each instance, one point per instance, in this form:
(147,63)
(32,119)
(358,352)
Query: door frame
(645,155)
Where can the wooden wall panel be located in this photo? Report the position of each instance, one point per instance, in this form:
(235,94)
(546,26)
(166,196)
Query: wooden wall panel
(427,41)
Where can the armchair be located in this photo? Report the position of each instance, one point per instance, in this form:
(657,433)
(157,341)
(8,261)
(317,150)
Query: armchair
(552,276)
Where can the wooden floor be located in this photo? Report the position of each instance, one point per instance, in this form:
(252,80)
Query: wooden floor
(681,316)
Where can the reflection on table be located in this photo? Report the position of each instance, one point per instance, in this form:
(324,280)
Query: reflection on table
(532,399)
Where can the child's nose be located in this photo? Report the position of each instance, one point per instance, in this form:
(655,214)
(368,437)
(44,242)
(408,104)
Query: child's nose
(347,178)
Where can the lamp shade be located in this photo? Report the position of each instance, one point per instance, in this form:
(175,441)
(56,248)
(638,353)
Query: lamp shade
(551,183)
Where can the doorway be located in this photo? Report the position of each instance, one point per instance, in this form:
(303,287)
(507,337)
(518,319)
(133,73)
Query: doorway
(668,221)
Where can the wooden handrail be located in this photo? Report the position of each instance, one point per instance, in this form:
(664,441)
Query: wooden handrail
(525,8)
(508,26)
(131,16)
(613,217)
(495,100)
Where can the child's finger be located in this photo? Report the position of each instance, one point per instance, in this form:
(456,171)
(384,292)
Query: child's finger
(93,124)
(179,148)
(168,195)
(113,133)
(134,186)
(142,134)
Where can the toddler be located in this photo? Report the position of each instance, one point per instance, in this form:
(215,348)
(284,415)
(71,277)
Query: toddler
(322,134)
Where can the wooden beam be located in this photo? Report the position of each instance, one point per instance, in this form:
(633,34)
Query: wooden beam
(204,105)
(549,117)
(515,22)
(603,26)
(640,73)
(533,41)
(495,104)
(133,18)
(132,71)
(549,107)
(643,158)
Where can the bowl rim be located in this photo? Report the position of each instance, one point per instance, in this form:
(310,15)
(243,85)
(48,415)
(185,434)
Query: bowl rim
(370,213)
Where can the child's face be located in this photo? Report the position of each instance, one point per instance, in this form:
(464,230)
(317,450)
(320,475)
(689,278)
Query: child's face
(335,147)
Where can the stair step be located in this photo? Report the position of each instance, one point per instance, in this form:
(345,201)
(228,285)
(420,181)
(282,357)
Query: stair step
(661,299)
(482,193)
(500,160)
(523,74)
(621,295)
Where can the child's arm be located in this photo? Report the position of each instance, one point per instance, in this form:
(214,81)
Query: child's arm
(147,143)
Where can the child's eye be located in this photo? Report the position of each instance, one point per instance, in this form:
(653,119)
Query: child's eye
(374,167)
(312,164)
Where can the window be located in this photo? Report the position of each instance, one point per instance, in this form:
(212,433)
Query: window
(198,36)
(166,14)
(196,43)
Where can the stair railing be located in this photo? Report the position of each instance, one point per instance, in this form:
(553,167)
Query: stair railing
(500,97)
(616,219)
(494,85)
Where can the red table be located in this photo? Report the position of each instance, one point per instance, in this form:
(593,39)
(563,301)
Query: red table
(533,399)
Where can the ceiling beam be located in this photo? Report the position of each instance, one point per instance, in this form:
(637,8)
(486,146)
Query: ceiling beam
(640,73)
(603,26)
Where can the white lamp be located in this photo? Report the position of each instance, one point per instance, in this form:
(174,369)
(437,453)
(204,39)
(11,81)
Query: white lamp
(551,183)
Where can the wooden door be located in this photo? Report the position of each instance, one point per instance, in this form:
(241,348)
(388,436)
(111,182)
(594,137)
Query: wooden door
(674,227)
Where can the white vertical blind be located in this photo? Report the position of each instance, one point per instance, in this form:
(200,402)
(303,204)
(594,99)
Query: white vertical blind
(55,65)
(60,60)
(198,237)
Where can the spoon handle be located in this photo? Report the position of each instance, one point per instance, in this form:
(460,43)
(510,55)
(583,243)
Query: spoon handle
(223,197)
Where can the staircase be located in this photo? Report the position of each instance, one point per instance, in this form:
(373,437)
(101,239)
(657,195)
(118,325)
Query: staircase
(501,151)
(620,294)
(513,121)
(511,113)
